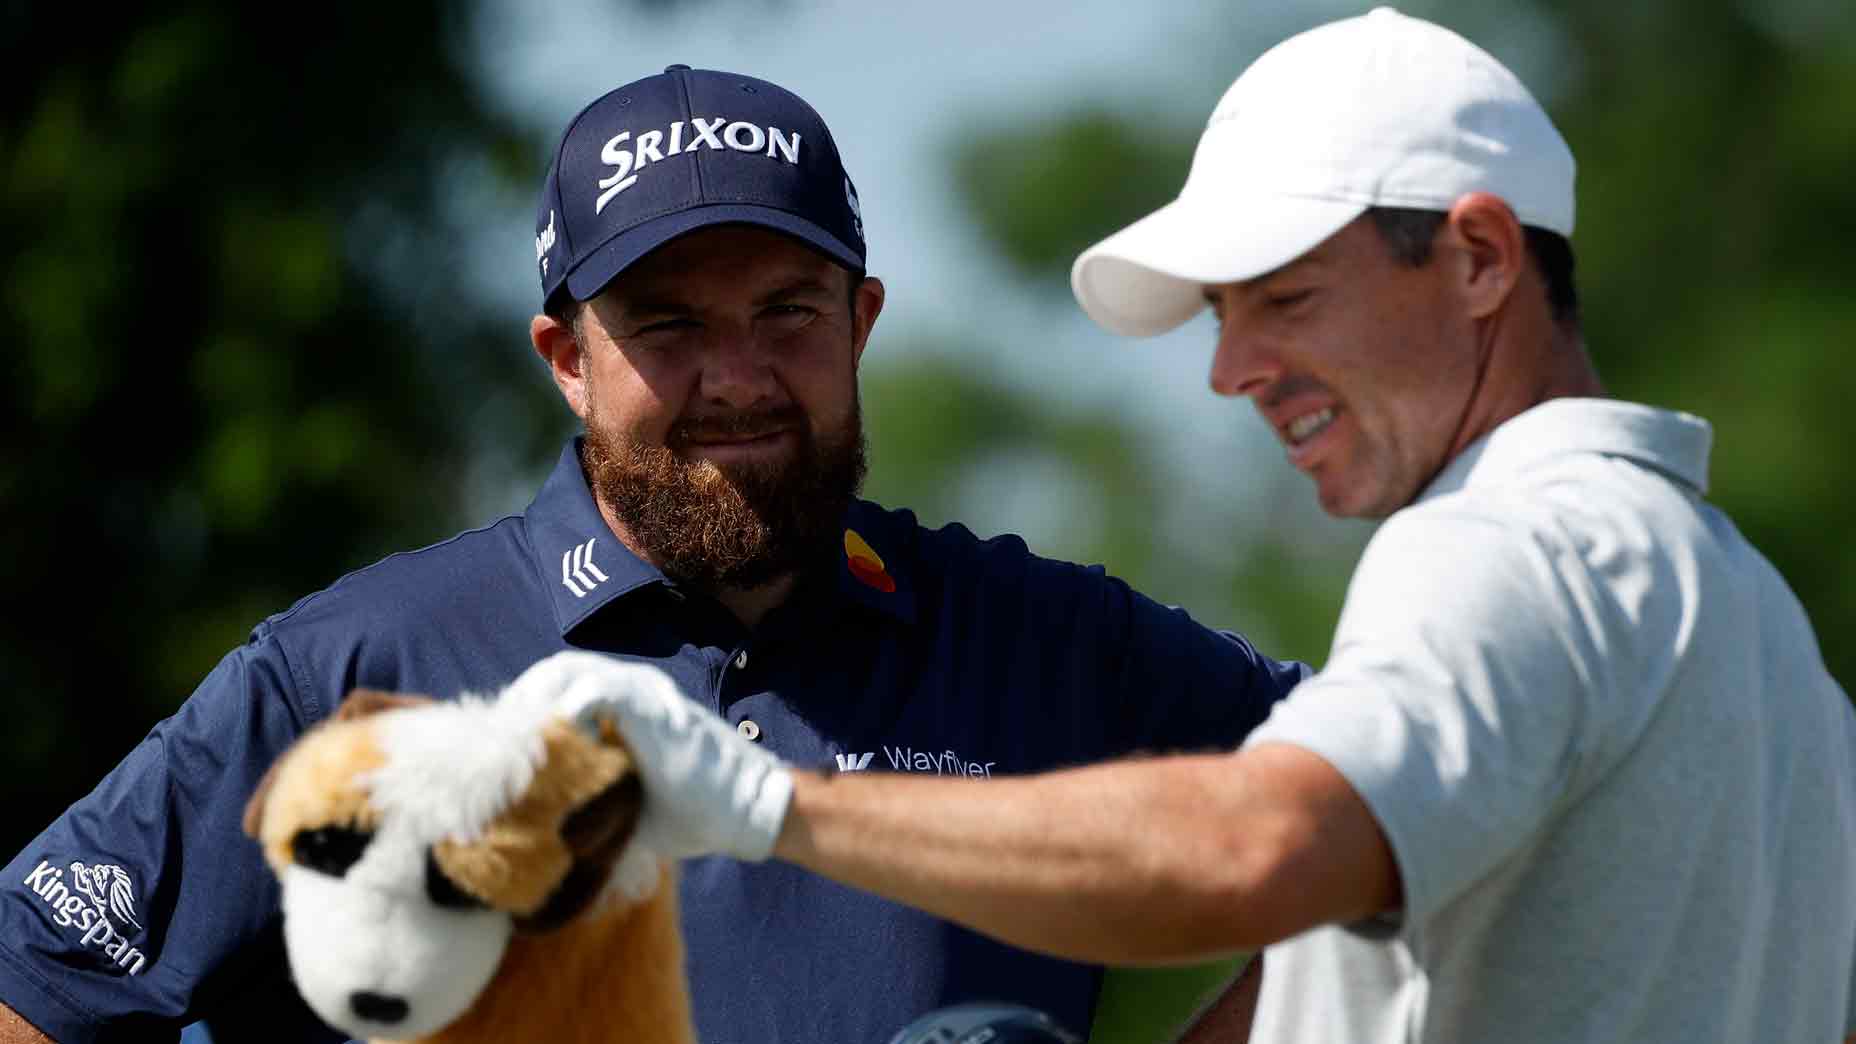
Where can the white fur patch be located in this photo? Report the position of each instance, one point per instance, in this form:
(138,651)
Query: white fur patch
(634,876)
(344,937)
(451,768)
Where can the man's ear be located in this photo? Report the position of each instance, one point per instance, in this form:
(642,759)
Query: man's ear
(869,304)
(557,345)
(1491,251)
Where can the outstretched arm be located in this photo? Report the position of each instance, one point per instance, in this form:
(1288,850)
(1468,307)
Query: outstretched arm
(1134,862)
(1153,861)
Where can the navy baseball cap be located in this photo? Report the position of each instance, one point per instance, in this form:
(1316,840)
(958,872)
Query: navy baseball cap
(683,150)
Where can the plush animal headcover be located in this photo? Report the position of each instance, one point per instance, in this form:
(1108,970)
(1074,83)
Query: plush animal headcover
(415,839)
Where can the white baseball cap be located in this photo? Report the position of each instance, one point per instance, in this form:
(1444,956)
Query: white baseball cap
(1378,110)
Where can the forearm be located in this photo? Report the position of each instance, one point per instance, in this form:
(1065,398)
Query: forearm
(1049,863)
(1152,861)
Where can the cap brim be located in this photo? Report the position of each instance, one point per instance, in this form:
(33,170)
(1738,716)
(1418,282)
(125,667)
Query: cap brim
(1151,276)
(588,278)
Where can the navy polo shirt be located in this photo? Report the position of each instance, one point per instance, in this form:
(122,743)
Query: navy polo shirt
(144,906)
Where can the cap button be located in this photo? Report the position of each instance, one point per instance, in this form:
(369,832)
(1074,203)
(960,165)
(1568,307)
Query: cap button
(676,68)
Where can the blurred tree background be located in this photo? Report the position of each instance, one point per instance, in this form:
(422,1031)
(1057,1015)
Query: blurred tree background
(239,364)
(234,369)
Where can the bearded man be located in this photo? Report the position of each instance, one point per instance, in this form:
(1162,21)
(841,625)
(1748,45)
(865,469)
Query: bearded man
(705,308)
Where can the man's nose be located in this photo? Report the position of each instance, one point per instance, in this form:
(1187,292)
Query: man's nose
(737,370)
(1241,365)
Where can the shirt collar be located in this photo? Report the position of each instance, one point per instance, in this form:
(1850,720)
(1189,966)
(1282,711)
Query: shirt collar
(1675,444)
(585,567)
(581,562)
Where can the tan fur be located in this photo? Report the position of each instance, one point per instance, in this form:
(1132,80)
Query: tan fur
(521,857)
(612,974)
(359,704)
(363,702)
(314,785)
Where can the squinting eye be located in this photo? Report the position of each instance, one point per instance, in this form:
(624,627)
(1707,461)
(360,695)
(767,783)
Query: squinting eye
(331,849)
(443,892)
(1290,299)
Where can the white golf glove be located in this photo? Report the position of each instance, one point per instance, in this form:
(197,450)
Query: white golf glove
(707,789)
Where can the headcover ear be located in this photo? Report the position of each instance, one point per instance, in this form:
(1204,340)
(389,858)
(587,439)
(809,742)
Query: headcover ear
(359,704)
(595,834)
(363,702)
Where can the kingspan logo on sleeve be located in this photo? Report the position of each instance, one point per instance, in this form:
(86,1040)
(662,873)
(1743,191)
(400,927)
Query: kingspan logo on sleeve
(97,901)
(628,155)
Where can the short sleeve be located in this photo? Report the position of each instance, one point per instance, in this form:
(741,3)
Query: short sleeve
(1456,697)
(132,907)
(1184,686)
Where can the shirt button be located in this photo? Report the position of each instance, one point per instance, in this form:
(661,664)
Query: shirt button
(741,660)
(748,729)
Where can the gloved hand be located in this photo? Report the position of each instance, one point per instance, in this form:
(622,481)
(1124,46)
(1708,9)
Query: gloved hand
(707,789)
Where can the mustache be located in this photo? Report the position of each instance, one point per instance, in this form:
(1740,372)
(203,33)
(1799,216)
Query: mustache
(1287,388)
(747,424)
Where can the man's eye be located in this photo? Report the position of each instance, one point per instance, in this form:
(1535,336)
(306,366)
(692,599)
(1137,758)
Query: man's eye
(667,325)
(1288,298)
(331,849)
(789,312)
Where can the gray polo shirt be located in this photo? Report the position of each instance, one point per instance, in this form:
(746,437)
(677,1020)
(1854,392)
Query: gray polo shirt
(1594,724)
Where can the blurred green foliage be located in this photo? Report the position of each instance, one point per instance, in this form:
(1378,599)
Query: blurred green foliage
(214,401)
(1025,188)
(934,425)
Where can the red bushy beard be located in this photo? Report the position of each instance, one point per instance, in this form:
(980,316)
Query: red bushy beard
(739,526)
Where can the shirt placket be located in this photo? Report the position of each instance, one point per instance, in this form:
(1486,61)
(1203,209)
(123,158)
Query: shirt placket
(734,684)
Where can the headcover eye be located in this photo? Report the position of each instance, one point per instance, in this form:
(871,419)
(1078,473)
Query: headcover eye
(330,849)
(443,892)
